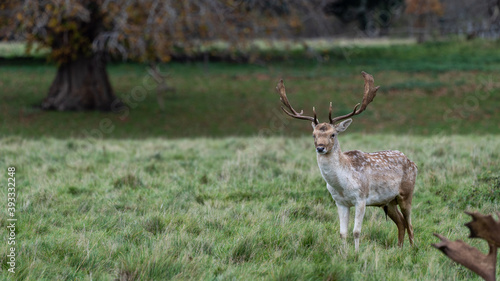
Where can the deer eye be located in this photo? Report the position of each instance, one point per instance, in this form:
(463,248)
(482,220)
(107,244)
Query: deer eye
(333,135)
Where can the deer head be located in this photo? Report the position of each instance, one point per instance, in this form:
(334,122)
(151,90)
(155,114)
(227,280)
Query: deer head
(325,134)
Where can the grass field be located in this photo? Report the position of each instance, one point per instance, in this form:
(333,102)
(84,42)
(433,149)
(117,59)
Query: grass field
(232,208)
(428,89)
(219,185)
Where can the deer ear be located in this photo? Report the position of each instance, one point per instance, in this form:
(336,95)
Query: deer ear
(313,125)
(342,126)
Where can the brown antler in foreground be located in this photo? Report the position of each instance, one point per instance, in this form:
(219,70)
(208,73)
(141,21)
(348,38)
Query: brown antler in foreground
(484,227)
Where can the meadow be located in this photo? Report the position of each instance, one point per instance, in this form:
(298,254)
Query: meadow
(232,208)
(437,88)
(218,185)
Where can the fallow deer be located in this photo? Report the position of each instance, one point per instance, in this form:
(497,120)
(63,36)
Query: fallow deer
(357,179)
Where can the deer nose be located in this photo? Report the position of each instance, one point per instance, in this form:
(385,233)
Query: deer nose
(320,149)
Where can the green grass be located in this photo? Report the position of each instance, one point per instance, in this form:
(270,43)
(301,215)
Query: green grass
(425,89)
(232,208)
(220,185)
(11,50)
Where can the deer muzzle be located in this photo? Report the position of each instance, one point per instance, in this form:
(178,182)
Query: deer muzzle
(320,149)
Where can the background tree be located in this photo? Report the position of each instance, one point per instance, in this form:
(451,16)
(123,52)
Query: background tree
(82,35)
(371,15)
(425,13)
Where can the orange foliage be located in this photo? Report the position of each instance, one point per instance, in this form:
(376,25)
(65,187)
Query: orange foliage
(421,7)
(147,30)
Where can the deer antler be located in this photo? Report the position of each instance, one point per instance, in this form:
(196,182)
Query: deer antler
(470,257)
(484,227)
(370,93)
(281,91)
(481,226)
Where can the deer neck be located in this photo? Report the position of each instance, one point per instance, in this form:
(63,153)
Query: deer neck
(333,165)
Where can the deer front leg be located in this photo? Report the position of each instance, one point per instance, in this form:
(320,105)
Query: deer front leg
(358,221)
(343,220)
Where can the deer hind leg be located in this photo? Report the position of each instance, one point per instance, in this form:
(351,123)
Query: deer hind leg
(405,205)
(404,200)
(398,218)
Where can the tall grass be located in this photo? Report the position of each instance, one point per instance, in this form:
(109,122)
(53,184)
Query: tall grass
(231,208)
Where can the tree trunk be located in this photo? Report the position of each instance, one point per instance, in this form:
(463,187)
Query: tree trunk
(82,84)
